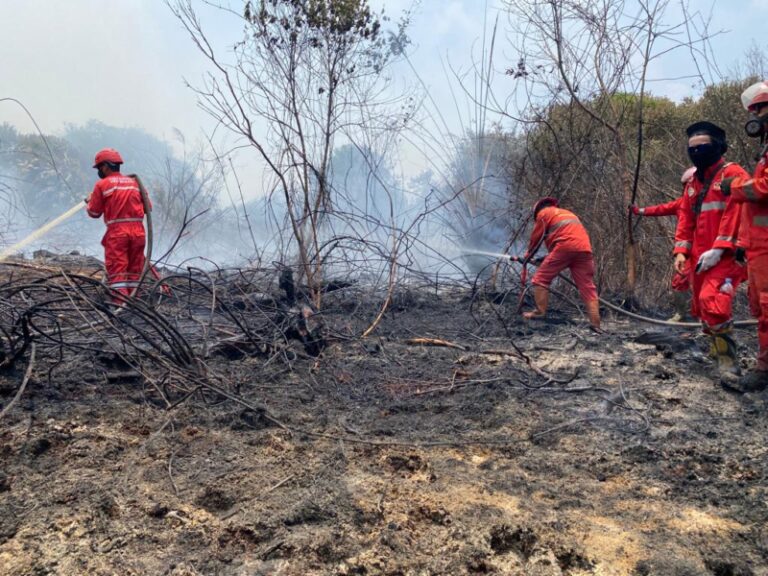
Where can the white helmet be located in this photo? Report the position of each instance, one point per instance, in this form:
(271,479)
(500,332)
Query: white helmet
(754,95)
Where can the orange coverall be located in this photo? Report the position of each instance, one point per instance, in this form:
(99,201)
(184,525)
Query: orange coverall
(705,222)
(568,243)
(118,199)
(752,195)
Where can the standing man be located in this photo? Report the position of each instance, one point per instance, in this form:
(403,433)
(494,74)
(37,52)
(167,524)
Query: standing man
(680,281)
(118,199)
(752,194)
(569,247)
(707,230)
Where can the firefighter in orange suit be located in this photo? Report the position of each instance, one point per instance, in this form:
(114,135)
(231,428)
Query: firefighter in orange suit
(706,235)
(118,199)
(681,284)
(752,195)
(568,243)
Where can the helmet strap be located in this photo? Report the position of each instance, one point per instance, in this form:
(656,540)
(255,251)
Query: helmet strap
(763,148)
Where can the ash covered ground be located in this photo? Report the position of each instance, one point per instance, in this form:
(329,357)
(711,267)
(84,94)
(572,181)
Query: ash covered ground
(613,454)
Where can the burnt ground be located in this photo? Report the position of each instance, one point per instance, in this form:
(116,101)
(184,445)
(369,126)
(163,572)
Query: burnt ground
(611,457)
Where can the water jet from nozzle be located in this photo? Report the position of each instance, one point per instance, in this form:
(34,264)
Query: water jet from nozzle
(500,255)
(40,232)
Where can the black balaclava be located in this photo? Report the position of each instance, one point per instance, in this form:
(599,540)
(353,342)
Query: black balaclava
(705,155)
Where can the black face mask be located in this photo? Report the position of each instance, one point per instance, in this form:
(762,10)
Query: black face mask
(101,172)
(755,126)
(704,155)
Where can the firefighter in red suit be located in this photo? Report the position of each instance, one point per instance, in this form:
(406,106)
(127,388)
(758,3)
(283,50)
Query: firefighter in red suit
(752,195)
(706,235)
(680,281)
(568,243)
(118,199)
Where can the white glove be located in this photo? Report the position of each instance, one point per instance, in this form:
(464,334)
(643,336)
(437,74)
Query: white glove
(709,259)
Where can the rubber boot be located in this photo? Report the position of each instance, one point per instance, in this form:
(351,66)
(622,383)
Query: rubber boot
(752,381)
(712,348)
(593,313)
(681,305)
(755,380)
(727,356)
(541,298)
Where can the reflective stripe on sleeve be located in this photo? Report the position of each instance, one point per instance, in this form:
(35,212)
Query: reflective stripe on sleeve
(725,239)
(683,244)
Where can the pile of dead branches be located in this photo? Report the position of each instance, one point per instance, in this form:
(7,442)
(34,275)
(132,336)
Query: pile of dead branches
(166,336)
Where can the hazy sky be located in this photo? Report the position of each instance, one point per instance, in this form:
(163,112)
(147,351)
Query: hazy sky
(123,61)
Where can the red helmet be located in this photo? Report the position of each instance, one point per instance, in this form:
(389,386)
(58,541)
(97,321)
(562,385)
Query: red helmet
(107,155)
(754,95)
(543,203)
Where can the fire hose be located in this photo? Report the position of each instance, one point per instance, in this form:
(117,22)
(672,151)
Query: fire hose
(606,303)
(620,310)
(148,215)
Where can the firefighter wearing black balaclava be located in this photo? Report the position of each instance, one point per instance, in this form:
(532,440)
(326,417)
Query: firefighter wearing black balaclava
(706,235)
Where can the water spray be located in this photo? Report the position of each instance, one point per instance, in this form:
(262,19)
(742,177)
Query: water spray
(499,255)
(41,231)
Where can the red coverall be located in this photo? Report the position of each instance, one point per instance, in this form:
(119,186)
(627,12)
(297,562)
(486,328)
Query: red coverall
(752,194)
(118,198)
(715,226)
(568,244)
(680,282)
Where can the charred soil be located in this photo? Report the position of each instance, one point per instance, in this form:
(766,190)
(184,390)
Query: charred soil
(614,454)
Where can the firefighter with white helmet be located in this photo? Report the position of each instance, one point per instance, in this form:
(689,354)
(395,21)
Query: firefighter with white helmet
(752,193)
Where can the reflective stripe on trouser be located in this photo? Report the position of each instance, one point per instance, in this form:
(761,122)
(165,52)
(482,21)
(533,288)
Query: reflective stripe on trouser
(758,302)
(713,307)
(123,220)
(124,257)
(581,265)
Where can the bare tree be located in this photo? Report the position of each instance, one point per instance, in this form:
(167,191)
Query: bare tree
(182,189)
(591,58)
(304,75)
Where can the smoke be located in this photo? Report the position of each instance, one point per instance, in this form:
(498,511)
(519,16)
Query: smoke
(427,224)
(485,210)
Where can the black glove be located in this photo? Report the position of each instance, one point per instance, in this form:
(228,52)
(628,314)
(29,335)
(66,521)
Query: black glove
(725,186)
(740,256)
